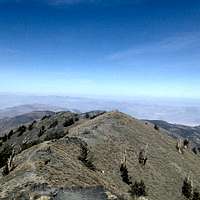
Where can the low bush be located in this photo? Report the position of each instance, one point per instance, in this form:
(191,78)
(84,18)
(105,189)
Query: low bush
(41,131)
(84,158)
(54,124)
(68,122)
(187,188)
(28,145)
(5,154)
(52,135)
(5,171)
(10,134)
(21,130)
(156,127)
(4,138)
(30,127)
(138,189)
(196,195)
(194,150)
(124,174)
(45,117)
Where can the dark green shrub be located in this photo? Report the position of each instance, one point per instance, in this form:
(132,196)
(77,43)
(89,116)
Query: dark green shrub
(124,174)
(156,127)
(196,195)
(45,117)
(187,188)
(40,133)
(86,132)
(30,127)
(10,134)
(51,135)
(87,115)
(84,158)
(194,150)
(5,171)
(25,146)
(76,118)
(138,189)
(68,122)
(54,124)
(5,154)
(4,138)
(21,130)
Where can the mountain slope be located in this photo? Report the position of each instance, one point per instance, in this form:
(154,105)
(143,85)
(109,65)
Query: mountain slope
(27,108)
(89,154)
(176,130)
(6,124)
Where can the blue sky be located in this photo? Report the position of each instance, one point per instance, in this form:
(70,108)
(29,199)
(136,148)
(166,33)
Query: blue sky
(100,47)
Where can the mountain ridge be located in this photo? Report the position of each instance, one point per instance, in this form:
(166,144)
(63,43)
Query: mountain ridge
(179,130)
(89,152)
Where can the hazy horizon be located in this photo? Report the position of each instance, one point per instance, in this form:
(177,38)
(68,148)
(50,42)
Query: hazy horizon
(177,111)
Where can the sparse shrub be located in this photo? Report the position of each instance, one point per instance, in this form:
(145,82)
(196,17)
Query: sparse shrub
(87,115)
(68,122)
(86,132)
(30,127)
(5,154)
(194,149)
(5,171)
(45,117)
(47,161)
(43,128)
(21,130)
(196,195)
(84,158)
(10,134)
(25,146)
(76,118)
(4,138)
(42,131)
(187,189)
(54,124)
(93,116)
(124,174)
(156,127)
(51,135)
(9,164)
(138,189)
